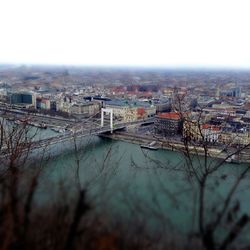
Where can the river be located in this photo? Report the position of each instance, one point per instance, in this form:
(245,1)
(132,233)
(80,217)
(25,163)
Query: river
(135,184)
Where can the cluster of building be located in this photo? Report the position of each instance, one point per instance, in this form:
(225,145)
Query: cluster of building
(80,106)
(218,113)
(225,119)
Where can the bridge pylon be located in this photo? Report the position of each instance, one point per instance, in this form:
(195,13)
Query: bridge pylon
(109,111)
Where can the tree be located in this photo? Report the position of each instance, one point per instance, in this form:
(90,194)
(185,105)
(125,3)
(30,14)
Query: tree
(204,158)
(26,223)
(17,192)
(203,172)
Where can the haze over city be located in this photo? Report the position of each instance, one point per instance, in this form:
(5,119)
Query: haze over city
(155,33)
(124,125)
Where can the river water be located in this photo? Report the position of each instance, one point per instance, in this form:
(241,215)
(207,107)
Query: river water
(137,184)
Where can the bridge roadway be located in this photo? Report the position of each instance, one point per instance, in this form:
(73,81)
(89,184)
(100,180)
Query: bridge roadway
(67,136)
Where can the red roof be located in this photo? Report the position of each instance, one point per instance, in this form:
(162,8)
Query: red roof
(206,126)
(213,127)
(216,128)
(170,115)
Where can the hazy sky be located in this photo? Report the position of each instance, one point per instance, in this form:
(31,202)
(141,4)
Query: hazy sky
(126,32)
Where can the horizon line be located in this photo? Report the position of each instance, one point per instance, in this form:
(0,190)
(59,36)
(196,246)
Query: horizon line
(131,66)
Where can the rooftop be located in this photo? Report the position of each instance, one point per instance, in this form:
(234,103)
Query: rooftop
(120,102)
(169,115)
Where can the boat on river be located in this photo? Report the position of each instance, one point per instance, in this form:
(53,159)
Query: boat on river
(58,130)
(234,159)
(152,145)
(38,125)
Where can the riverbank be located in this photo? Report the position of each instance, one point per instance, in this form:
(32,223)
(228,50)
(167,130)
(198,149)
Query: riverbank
(168,144)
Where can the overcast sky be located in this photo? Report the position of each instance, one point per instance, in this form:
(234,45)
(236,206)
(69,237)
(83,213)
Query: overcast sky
(177,33)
